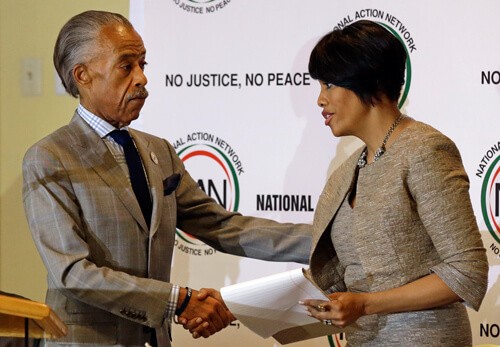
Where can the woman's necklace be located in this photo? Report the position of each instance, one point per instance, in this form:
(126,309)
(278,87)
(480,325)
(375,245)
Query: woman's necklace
(381,150)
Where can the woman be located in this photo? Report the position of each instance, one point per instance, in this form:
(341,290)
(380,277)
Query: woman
(395,239)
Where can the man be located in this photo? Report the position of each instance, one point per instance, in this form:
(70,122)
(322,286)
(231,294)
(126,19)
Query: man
(108,253)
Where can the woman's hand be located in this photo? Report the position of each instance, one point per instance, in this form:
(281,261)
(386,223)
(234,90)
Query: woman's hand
(343,309)
(346,307)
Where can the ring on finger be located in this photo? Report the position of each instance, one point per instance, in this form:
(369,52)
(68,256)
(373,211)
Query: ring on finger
(327,322)
(321,308)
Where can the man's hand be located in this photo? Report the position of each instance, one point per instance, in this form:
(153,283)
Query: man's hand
(205,313)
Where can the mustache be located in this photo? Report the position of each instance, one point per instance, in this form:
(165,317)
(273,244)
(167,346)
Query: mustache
(141,93)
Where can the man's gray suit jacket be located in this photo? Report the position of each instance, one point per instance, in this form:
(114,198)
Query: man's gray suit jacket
(108,275)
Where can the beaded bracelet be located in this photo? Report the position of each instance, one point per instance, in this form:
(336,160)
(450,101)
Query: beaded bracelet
(184,304)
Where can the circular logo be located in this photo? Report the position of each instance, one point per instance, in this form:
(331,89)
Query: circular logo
(490,199)
(215,167)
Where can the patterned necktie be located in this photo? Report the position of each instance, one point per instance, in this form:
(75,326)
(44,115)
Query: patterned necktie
(136,171)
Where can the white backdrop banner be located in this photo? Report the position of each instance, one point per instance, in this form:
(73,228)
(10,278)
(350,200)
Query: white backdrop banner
(229,89)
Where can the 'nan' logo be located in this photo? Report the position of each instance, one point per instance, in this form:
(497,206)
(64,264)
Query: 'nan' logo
(214,164)
(490,190)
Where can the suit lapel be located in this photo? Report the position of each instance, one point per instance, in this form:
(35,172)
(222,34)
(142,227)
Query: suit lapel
(92,150)
(153,172)
(336,188)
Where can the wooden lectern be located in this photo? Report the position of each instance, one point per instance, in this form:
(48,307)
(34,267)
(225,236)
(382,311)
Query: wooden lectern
(20,317)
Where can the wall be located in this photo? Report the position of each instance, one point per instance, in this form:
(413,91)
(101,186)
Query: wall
(28,29)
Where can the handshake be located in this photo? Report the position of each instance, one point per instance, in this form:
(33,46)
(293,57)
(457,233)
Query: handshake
(202,312)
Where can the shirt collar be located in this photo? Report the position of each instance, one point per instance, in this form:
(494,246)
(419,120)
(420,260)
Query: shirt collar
(100,126)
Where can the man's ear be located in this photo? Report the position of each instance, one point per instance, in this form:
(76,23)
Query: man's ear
(81,75)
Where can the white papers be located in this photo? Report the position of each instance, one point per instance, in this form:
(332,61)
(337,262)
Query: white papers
(270,305)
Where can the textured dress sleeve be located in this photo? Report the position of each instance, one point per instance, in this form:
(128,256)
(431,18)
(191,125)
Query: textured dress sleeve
(440,186)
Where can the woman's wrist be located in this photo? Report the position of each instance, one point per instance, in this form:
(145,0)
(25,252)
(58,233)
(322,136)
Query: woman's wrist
(368,303)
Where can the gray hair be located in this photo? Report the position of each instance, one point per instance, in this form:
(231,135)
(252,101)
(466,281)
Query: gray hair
(75,42)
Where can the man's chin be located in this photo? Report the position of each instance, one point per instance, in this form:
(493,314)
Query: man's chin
(134,114)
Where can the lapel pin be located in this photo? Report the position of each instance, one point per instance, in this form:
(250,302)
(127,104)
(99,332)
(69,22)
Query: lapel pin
(154,158)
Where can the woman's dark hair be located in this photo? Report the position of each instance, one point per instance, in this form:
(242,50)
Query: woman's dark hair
(363,57)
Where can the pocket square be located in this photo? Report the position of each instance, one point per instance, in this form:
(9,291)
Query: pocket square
(170,183)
